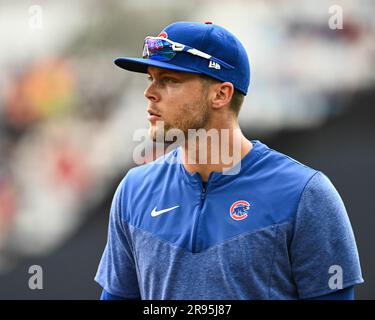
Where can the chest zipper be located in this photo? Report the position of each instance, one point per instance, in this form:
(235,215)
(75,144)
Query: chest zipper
(203,197)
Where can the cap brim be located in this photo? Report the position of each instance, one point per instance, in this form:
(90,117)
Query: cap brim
(140,65)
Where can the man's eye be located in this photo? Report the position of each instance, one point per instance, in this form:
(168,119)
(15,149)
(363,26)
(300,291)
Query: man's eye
(149,78)
(169,80)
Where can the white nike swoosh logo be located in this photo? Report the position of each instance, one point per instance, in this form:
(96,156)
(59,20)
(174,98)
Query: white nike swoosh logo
(155,213)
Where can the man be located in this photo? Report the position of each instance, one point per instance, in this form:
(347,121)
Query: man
(253,225)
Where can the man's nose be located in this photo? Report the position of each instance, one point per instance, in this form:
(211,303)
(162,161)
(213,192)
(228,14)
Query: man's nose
(151,92)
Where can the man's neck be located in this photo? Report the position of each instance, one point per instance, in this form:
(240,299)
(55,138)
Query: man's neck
(221,155)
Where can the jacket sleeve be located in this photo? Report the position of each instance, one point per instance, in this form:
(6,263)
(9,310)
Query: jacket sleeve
(117,271)
(323,250)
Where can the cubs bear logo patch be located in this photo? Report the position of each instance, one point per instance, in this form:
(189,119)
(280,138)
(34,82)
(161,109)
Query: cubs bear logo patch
(239,210)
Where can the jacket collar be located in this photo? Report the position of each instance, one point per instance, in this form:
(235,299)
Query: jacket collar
(217,178)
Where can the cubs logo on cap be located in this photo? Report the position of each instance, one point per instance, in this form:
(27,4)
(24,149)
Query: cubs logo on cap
(239,210)
(163,34)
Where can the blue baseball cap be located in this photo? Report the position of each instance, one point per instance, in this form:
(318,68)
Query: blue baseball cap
(207,49)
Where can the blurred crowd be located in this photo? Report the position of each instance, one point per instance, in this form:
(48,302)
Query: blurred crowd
(67,115)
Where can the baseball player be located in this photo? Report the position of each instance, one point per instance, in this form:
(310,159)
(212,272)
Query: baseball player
(264,227)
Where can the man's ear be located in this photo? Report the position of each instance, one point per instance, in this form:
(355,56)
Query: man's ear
(222,94)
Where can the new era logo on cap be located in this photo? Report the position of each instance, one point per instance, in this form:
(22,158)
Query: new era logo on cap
(214,65)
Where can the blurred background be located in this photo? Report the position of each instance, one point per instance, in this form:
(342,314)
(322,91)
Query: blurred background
(67,117)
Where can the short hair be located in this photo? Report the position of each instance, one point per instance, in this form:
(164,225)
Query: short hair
(237,98)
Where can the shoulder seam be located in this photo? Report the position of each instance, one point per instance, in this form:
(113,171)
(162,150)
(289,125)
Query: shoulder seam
(292,159)
(300,197)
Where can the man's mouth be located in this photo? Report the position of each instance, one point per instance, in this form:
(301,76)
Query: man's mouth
(152,116)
